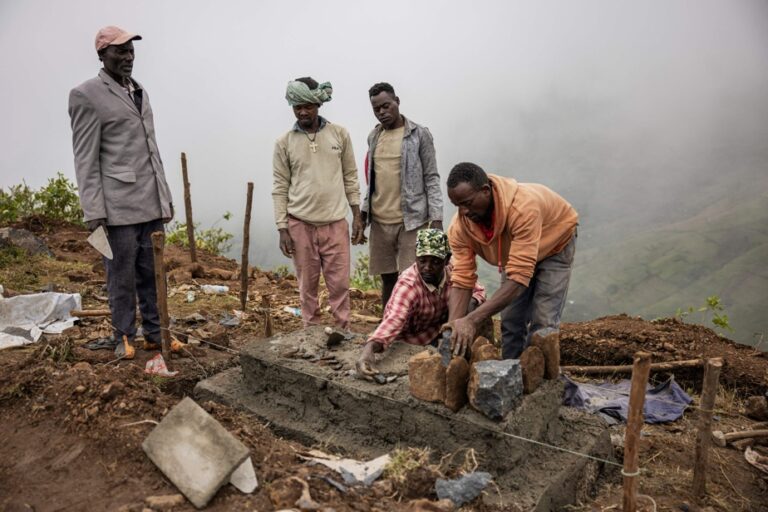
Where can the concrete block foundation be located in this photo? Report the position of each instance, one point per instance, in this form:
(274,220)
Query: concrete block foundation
(295,382)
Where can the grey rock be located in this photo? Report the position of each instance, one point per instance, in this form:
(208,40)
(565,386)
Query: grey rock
(229,320)
(194,451)
(496,387)
(464,489)
(444,347)
(12,237)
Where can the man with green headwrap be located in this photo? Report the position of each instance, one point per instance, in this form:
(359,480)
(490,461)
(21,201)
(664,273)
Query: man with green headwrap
(418,306)
(315,178)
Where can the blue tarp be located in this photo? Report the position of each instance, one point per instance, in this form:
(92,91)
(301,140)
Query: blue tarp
(663,403)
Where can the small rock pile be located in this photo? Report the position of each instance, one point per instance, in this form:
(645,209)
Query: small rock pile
(489,384)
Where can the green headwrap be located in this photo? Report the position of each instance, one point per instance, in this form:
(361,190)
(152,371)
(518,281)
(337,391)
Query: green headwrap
(432,242)
(299,93)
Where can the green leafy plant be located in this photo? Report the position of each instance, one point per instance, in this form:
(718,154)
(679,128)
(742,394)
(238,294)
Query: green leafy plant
(57,200)
(213,239)
(281,271)
(361,278)
(711,311)
(12,255)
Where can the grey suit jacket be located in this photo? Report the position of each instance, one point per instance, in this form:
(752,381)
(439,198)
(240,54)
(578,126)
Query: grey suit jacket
(119,171)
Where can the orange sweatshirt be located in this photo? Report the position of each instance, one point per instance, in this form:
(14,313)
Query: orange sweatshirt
(532,222)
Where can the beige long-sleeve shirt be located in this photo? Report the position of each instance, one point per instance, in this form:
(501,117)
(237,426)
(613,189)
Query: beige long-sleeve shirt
(314,182)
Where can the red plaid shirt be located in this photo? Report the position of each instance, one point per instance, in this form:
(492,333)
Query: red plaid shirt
(414,313)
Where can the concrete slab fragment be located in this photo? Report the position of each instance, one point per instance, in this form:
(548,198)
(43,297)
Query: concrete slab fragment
(244,477)
(194,451)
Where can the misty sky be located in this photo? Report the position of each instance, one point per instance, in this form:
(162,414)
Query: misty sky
(582,96)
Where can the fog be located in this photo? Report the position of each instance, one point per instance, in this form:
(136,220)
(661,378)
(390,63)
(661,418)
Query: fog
(619,106)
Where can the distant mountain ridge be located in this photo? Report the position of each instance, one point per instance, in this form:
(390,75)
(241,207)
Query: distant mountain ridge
(717,245)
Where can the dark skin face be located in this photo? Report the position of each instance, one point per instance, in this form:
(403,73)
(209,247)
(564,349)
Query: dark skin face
(307,116)
(474,204)
(386,108)
(118,61)
(431,268)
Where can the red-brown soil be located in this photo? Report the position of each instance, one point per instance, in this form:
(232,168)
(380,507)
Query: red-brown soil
(72,420)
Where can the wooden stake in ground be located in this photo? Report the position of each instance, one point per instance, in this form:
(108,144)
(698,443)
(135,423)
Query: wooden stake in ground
(267,307)
(641,370)
(158,245)
(704,434)
(246,243)
(655,367)
(188,210)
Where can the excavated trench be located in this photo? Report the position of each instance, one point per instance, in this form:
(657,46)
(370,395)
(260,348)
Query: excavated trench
(305,391)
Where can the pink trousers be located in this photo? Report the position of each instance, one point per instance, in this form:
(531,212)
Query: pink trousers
(322,248)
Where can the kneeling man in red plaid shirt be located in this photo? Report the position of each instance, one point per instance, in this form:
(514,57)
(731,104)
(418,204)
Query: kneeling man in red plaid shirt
(418,307)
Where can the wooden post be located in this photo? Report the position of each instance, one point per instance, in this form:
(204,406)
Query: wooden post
(246,244)
(704,434)
(641,370)
(267,307)
(188,210)
(158,244)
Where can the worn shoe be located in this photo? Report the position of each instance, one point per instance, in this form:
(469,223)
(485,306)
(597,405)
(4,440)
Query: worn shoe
(125,349)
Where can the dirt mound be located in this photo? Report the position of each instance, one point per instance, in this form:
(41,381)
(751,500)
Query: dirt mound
(613,340)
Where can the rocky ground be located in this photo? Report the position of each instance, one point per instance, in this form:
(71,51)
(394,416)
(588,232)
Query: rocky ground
(72,420)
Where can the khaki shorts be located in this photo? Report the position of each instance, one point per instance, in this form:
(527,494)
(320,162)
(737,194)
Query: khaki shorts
(392,248)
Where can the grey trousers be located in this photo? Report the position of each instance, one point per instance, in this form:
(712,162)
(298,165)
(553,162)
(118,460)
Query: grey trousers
(131,273)
(540,306)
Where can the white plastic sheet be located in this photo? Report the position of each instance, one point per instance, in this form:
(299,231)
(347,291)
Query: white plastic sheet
(24,318)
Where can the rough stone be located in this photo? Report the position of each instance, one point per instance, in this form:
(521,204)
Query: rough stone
(548,340)
(456,378)
(479,342)
(18,506)
(532,363)
(284,493)
(495,387)
(485,352)
(165,502)
(194,451)
(23,239)
(426,376)
(757,408)
(464,489)
(112,390)
(425,505)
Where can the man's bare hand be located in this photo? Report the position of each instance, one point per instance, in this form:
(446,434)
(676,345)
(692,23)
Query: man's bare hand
(286,243)
(462,335)
(93,225)
(358,230)
(364,364)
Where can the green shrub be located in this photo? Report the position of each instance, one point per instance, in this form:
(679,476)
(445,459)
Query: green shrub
(361,279)
(281,271)
(214,239)
(712,310)
(57,200)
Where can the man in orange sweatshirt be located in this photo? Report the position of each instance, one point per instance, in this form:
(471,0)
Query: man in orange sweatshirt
(529,233)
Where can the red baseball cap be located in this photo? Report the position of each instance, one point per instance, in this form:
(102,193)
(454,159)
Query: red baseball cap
(112,35)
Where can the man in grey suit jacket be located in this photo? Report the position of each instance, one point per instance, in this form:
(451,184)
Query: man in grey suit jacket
(121,183)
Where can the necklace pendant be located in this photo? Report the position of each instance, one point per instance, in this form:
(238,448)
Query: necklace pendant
(313,146)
